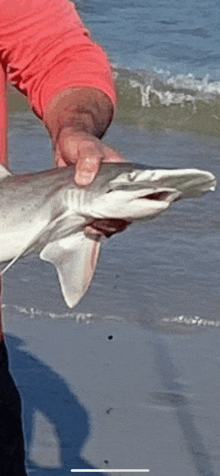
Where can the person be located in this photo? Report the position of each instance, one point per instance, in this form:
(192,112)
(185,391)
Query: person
(47,53)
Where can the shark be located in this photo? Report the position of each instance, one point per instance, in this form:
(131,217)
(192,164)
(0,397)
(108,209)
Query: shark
(47,213)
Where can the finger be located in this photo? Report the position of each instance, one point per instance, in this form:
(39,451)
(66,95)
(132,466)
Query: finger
(93,233)
(87,165)
(66,151)
(111,155)
(58,158)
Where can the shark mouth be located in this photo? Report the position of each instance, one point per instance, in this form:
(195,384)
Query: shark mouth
(163,196)
(106,227)
(158,196)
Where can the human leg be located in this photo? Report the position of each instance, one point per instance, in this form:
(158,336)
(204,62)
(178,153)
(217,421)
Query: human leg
(11,435)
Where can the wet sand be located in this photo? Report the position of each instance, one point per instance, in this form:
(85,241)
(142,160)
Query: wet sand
(98,393)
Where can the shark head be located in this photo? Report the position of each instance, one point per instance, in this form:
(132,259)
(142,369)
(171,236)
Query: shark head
(134,193)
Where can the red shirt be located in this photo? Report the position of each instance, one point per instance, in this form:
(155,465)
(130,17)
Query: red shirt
(45,48)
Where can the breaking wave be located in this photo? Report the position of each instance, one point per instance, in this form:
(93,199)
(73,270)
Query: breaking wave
(158,100)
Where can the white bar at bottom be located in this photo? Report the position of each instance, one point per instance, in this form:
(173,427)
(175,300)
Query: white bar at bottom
(110,470)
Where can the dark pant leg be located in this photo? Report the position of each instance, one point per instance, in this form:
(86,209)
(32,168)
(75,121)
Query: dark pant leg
(11,436)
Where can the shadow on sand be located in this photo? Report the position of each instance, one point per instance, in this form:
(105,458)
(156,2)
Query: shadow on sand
(43,390)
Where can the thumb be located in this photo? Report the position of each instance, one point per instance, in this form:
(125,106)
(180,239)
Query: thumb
(88,162)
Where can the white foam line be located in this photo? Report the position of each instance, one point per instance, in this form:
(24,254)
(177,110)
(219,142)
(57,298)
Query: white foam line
(198,321)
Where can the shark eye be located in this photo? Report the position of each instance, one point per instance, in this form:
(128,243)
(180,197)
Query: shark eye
(131,176)
(110,190)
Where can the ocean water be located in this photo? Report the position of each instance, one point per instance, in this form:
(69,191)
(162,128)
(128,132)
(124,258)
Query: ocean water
(177,38)
(166,57)
(165,273)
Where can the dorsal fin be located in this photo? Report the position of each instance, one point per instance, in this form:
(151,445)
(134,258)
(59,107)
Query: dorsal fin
(4,172)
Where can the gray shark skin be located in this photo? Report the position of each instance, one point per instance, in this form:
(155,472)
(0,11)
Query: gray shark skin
(47,213)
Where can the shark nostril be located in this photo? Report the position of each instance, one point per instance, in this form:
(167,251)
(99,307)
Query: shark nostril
(160,196)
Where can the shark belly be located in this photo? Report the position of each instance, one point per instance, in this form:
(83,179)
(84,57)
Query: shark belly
(15,240)
(10,245)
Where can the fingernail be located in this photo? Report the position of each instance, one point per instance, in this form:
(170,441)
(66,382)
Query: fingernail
(84,178)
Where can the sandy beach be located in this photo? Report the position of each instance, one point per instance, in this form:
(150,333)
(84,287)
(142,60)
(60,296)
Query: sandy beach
(101,393)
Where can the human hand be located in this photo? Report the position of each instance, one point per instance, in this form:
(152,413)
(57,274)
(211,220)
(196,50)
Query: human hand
(86,152)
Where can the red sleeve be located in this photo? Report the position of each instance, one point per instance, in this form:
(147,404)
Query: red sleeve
(46,48)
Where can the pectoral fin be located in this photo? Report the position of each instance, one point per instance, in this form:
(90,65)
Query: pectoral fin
(75,258)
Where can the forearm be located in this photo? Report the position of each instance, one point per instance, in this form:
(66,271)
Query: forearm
(85,110)
(47,50)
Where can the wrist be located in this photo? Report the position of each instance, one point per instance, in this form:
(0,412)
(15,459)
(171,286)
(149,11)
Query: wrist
(82,110)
